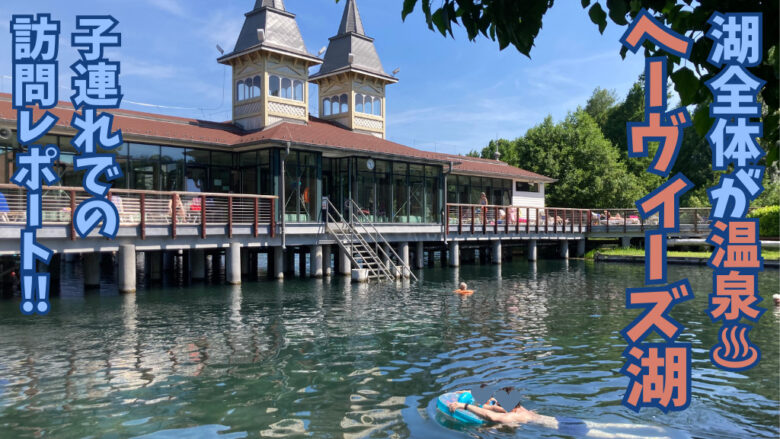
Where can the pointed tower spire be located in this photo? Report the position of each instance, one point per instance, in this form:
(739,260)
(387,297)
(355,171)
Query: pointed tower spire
(276,4)
(351,49)
(351,21)
(351,79)
(270,66)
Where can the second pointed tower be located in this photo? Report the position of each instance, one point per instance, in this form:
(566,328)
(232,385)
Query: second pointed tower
(352,80)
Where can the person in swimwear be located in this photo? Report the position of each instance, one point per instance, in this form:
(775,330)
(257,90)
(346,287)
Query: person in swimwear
(464,289)
(493,412)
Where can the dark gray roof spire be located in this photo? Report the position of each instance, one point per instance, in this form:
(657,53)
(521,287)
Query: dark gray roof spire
(351,50)
(276,4)
(270,27)
(351,21)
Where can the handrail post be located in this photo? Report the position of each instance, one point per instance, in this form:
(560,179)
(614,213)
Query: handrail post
(590,219)
(273,218)
(174,211)
(472,219)
(517,220)
(555,220)
(72,214)
(143,216)
(537,220)
(579,225)
(641,222)
(506,220)
(203,216)
(607,219)
(230,216)
(625,221)
(527,220)
(495,219)
(695,221)
(460,219)
(257,216)
(546,219)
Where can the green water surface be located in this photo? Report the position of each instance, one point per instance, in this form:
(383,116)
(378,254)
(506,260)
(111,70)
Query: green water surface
(331,359)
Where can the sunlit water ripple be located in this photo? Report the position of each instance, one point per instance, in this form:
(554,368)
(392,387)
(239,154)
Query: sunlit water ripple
(334,359)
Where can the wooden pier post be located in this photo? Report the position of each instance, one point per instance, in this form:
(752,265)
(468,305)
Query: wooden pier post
(403,252)
(419,255)
(581,248)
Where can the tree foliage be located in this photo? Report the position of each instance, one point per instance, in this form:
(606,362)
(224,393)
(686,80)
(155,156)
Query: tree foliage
(518,23)
(574,151)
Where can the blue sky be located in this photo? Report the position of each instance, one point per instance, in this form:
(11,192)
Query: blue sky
(453,95)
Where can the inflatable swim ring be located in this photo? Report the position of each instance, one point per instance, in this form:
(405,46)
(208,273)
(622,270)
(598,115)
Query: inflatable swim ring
(460,415)
(464,292)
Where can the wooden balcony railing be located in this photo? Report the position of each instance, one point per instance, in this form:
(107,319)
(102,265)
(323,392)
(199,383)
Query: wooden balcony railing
(479,219)
(148,208)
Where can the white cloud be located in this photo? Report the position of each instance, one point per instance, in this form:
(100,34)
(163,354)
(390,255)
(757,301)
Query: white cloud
(174,7)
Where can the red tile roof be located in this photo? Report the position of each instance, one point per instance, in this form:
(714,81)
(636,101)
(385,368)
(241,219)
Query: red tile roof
(139,126)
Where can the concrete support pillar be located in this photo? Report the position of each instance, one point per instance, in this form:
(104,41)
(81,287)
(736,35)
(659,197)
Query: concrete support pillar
(403,252)
(289,262)
(360,275)
(326,258)
(302,262)
(315,261)
(419,255)
(345,264)
(581,248)
(432,258)
(91,265)
(496,252)
(233,264)
(126,267)
(564,249)
(625,241)
(454,254)
(276,263)
(198,264)
(532,250)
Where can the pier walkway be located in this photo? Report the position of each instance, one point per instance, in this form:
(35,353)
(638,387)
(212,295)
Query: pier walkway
(243,225)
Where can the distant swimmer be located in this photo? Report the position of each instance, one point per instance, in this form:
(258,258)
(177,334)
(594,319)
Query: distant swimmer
(775,297)
(464,290)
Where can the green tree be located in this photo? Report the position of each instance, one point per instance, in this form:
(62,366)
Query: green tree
(600,104)
(588,168)
(518,23)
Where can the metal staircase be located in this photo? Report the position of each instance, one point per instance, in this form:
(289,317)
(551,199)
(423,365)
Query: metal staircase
(365,246)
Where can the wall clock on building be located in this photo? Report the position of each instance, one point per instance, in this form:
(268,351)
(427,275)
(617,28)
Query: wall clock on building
(370,164)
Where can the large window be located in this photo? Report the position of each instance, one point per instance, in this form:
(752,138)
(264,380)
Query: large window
(368,104)
(335,105)
(523,186)
(287,88)
(301,195)
(248,88)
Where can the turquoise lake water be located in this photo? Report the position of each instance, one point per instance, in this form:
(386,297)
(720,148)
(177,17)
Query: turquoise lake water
(331,359)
